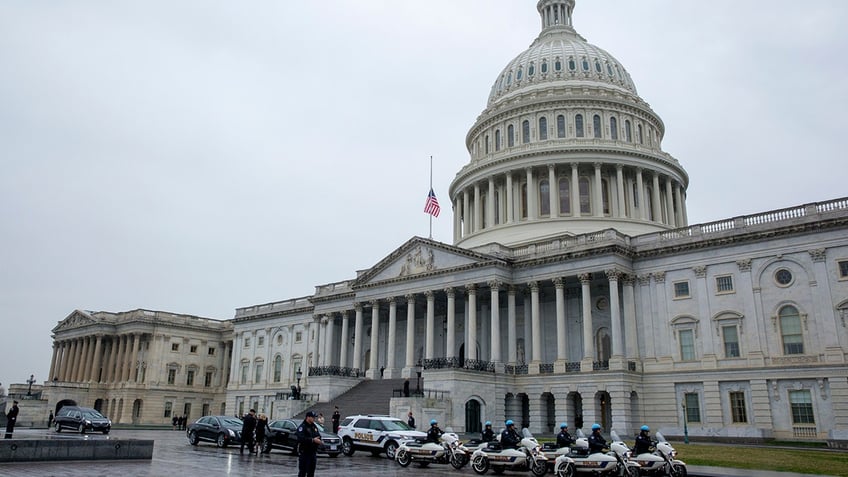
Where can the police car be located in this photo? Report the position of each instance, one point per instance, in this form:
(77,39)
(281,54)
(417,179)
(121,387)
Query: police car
(375,433)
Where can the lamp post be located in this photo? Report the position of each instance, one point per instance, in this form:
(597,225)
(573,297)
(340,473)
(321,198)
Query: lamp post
(685,427)
(30,381)
(298,375)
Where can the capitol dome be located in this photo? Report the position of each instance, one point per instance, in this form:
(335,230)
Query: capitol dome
(565,146)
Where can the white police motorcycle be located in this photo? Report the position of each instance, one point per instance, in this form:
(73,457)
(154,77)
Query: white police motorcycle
(447,451)
(662,461)
(578,459)
(527,456)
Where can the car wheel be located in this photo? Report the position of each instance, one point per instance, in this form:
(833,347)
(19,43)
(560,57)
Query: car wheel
(58,427)
(391,449)
(403,458)
(347,447)
(480,464)
(192,438)
(222,440)
(81,428)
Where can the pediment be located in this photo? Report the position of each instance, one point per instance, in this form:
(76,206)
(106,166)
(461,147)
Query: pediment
(420,257)
(76,319)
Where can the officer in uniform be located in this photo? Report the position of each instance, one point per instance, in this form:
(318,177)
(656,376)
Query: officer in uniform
(488,435)
(597,443)
(309,439)
(510,437)
(434,433)
(564,439)
(11,419)
(643,441)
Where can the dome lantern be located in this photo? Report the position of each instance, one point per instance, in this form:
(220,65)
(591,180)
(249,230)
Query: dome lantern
(555,13)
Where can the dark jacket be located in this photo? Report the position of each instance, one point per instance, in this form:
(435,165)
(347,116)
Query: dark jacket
(248,427)
(564,439)
(510,439)
(433,434)
(306,433)
(261,429)
(597,443)
(643,443)
(488,435)
(12,415)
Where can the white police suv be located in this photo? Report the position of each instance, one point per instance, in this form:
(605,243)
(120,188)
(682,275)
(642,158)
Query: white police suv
(375,433)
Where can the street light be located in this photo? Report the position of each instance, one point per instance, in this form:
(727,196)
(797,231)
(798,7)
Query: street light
(685,427)
(298,375)
(30,381)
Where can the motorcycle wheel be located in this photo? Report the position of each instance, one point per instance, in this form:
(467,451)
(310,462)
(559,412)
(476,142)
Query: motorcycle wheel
(480,464)
(630,471)
(457,461)
(539,468)
(498,469)
(565,469)
(678,470)
(403,458)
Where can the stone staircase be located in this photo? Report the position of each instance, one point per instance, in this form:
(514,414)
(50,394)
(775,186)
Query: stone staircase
(370,396)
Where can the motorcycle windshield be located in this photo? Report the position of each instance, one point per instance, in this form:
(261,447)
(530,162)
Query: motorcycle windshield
(526,433)
(660,437)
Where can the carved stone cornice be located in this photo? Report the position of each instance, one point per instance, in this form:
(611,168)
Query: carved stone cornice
(628,279)
(450,292)
(471,288)
(644,279)
(495,285)
(818,254)
(559,283)
(659,277)
(585,278)
(744,265)
(410,299)
(612,274)
(430,295)
(700,271)
(534,286)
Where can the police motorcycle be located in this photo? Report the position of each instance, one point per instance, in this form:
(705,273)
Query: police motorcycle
(447,451)
(527,456)
(661,461)
(578,459)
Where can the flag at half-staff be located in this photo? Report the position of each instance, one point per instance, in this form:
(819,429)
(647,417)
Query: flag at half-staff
(432,205)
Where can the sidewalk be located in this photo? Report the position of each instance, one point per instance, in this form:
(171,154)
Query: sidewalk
(704,471)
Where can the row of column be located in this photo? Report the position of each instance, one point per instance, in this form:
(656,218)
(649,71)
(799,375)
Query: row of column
(664,205)
(326,344)
(82,359)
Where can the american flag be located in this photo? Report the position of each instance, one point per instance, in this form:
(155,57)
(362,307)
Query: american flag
(432,205)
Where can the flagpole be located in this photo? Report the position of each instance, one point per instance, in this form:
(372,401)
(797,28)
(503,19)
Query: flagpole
(431,188)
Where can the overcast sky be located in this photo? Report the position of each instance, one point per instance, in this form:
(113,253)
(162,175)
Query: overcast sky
(199,156)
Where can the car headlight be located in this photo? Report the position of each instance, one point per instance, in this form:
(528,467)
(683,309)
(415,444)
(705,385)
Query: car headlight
(232,433)
(87,422)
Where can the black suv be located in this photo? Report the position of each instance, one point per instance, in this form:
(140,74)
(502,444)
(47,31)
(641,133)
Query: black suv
(81,419)
(283,435)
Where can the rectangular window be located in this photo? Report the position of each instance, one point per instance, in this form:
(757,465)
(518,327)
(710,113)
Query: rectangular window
(168,406)
(298,336)
(172,376)
(260,341)
(245,368)
(175,346)
(190,377)
(207,382)
(724,284)
(693,407)
(247,342)
(681,289)
(843,269)
(193,349)
(802,407)
(731,341)
(687,345)
(790,330)
(211,351)
(737,407)
(257,378)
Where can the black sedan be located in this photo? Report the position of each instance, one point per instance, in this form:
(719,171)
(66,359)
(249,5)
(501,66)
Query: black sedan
(222,430)
(282,434)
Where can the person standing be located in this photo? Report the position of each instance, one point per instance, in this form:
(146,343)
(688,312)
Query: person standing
(50,419)
(410,420)
(248,428)
(309,439)
(261,432)
(11,419)
(406,387)
(336,418)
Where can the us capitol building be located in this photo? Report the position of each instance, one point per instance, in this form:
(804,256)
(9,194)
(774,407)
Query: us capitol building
(575,290)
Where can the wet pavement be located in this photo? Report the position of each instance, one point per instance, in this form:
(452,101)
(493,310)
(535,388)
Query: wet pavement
(174,456)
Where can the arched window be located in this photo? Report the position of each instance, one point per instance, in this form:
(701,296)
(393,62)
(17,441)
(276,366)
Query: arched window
(614,128)
(486,143)
(560,126)
(596,125)
(498,140)
(523,199)
(510,136)
(585,63)
(544,198)
(531,70)
(543,128)
(639,134)
(518,74)
(790,330)
(597,66)
(544,66)
(278,369)
(578,125)
(509,78)
(628,135)
(605,193)
(585,204)
(525,131)
(571,64)
(558,65)
(564,195)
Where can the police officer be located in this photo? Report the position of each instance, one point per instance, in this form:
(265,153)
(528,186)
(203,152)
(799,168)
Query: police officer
(11,419)
(434,433)
(488,435)
(309,439)
(597,443)
(643,441)
(564,439)
(509,436)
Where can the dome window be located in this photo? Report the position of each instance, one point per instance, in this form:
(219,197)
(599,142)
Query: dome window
(544,66)
(510,136)
(609,70)
(614,128)
(543,128)
(596,125)
(525,132)
(572,65)
(497,140)
(585,64)
(531,70)
(639,134)
(628,135)
(560,126)
(558,65)
(578,125)
(518,74)
(486,143)
(509,78)
(598,66)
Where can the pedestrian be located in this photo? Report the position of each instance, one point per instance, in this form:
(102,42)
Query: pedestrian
(410,420)
(406,387)
(320,418)
(336,418)
(309,439)
(11,419)
(382,370)
(174,421)
(262,431)
(50,419)
(248,428)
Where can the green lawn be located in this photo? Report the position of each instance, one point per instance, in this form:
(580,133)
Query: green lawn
(805,461)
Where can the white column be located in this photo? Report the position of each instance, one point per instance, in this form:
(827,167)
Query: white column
(528,327)
(494,287)
(410,332)
(450,346)
(53,361)
(315,344)
(83,360)
(510,205)
(457,219)
(466,213)
(490,204)
(655,195)
(575,191)
(510,326)
(640,190)
(478,213)
(619,187)
(536,322)
(483,322)
(679,199)
(631,344)
(615,313)
(599,196)
(588,330)
(429,342)
(134,357)
(329,343)
(471,344)
(391,363)
(375,335)
(553,191)
(532,204)
(669,203)
(559,283)
(343,340)
(357,337)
